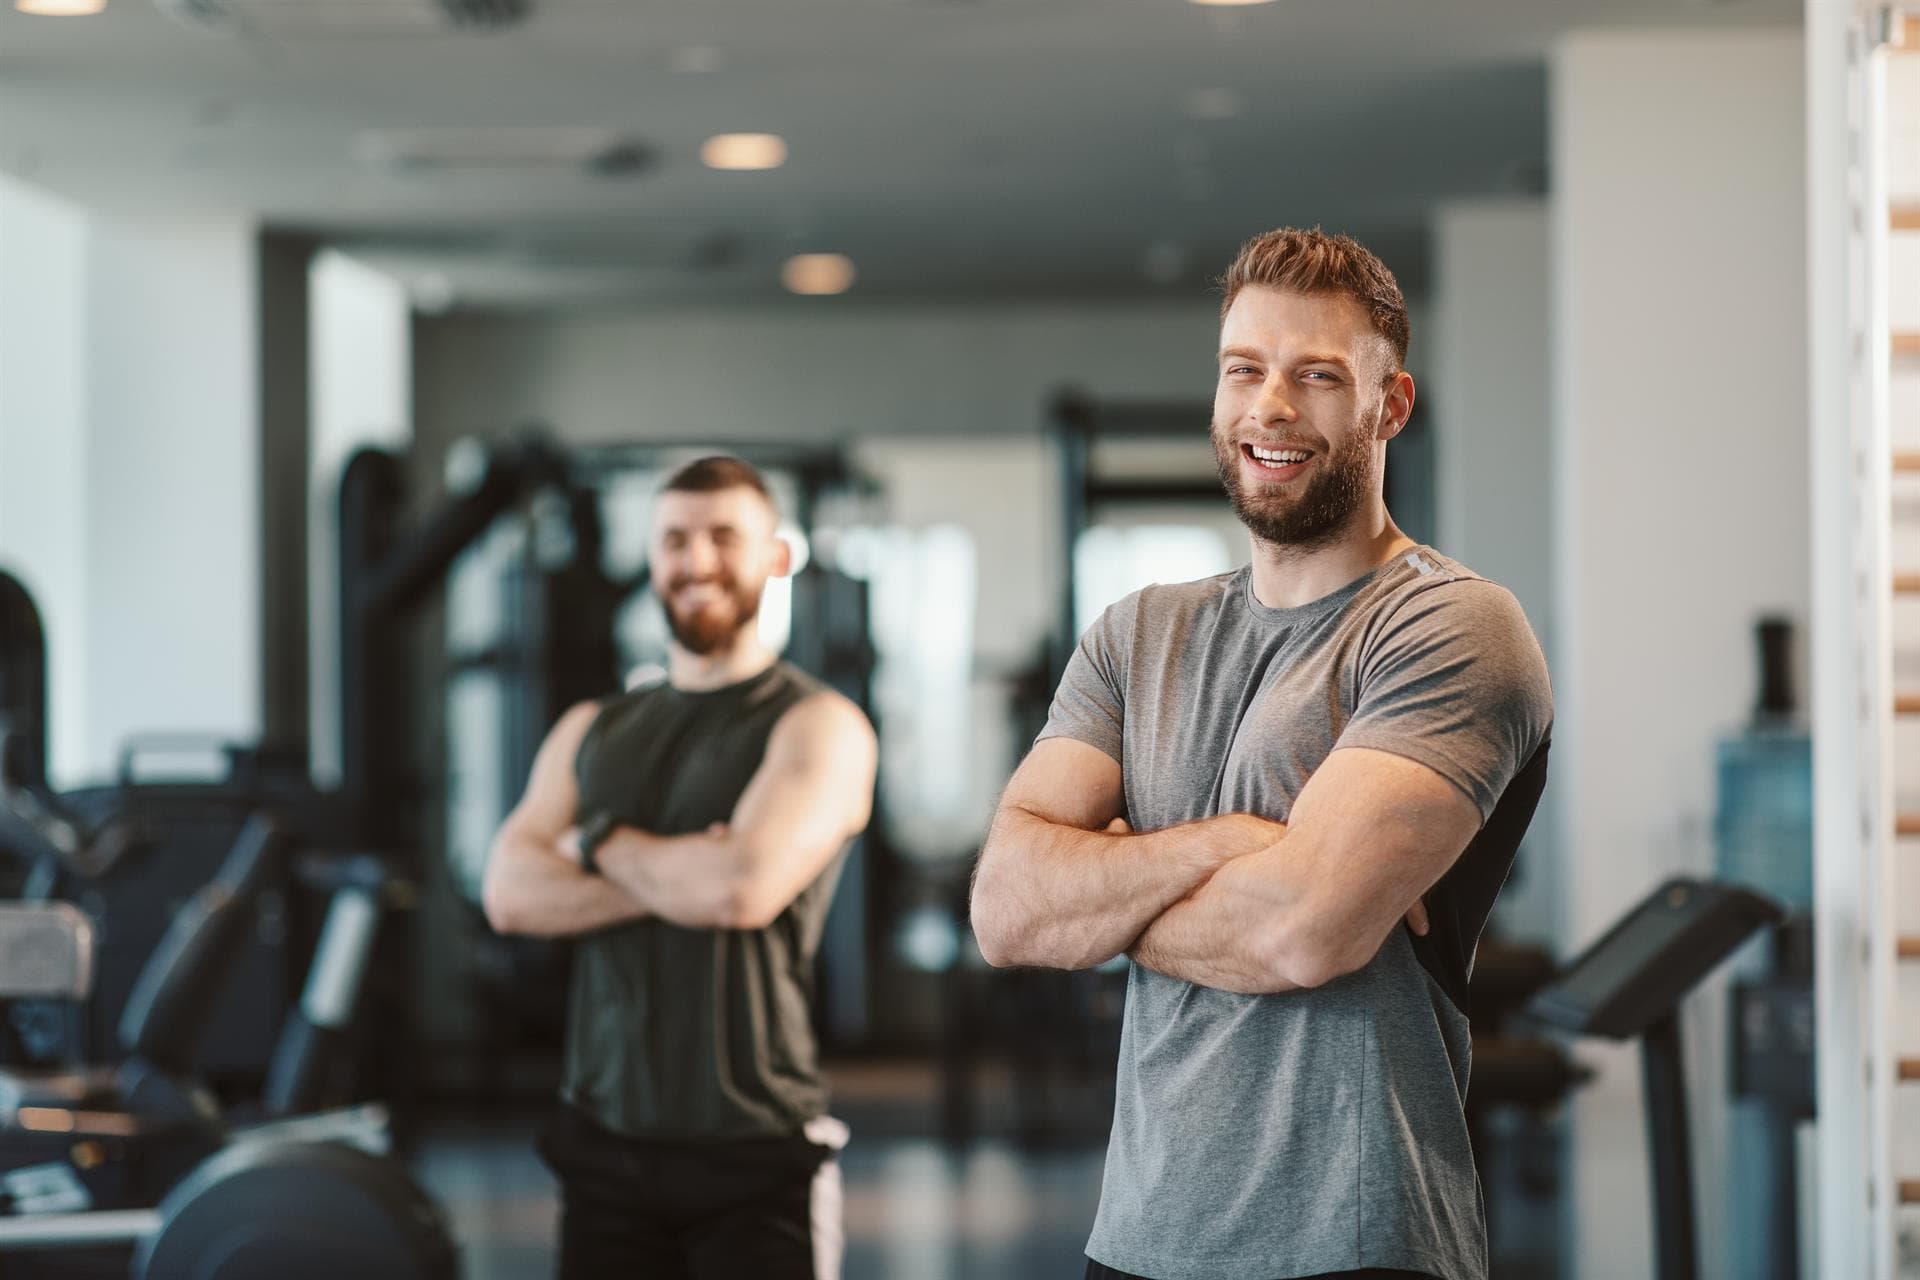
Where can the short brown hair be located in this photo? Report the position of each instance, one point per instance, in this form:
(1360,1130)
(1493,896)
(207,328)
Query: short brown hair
(717,472)
(1316,263)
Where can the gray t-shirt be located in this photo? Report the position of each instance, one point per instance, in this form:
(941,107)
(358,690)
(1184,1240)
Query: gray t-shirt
(1258,1137)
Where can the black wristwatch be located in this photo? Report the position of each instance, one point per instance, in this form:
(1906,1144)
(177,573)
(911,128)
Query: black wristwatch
(593,833)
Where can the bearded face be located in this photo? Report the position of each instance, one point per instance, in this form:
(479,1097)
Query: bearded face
(1305,513)
(1308,394)
(712,554)
(705,613)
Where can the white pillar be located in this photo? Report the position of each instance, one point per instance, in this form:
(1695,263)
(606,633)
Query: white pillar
(172,481)
(1681,502)
(360,372)
(1854,552)
(43,457)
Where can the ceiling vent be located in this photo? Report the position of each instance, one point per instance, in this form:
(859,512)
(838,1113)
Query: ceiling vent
(592,152)
(346,19)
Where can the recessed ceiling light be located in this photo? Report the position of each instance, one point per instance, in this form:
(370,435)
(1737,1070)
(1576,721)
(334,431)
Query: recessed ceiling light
(1212,104)
(697,60)
(744,151)
(817,274)
(60,8)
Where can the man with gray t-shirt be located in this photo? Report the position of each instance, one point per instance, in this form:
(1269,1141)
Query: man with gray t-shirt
(1290,794)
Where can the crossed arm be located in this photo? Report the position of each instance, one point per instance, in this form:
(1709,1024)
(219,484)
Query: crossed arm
(1235,902)
(811,793)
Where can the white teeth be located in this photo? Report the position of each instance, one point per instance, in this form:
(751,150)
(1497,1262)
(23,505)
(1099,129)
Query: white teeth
(1279,457)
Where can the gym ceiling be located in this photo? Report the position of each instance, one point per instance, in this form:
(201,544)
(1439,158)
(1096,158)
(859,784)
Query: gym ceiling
(546,153)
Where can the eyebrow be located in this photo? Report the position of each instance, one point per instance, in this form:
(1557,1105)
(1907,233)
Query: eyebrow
(1248,353)
(716,526)
(1336,360)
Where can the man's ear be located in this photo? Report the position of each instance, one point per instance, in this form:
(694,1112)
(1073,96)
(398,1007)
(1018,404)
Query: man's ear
(1399,405)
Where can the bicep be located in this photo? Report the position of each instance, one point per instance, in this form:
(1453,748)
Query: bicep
(1380,829)
(1457,682)
(551,801)
(1068,782)
(815,784)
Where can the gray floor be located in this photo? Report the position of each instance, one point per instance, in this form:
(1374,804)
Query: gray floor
(914,1210)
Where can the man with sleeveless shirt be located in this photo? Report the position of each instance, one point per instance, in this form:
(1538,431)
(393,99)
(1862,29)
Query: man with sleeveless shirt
(689,834)
(1290,794)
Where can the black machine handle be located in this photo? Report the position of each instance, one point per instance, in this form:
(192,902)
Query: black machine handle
(51,832)
(169,1008)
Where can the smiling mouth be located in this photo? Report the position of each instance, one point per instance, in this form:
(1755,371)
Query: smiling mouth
(1279,463)
(697,591)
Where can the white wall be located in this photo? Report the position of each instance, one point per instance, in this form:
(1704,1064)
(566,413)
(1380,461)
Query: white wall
(129,468)
(173,480)
(802,372)
(360,376)
(1681,498)
(43,456)
(1492,361)
(1494,474)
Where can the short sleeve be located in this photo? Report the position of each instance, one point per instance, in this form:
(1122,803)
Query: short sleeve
(1455,681)
(1090,704)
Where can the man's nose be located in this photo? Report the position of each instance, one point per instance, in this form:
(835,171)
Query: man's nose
(1274,403)
(701,558)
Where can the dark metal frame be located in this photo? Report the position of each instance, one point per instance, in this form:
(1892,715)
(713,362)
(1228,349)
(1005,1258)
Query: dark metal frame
(1078,422)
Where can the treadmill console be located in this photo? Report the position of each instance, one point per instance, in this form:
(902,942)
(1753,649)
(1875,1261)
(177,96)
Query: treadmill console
(1639,970)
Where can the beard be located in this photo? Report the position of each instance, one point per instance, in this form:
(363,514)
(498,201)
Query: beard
(1312,517)
(709,628)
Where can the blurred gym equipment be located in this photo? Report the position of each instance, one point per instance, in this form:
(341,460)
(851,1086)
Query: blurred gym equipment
(267,1205)
(46,950)
(1630,984)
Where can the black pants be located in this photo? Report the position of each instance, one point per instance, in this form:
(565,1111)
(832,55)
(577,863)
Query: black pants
(1100,1271)
(667,1210)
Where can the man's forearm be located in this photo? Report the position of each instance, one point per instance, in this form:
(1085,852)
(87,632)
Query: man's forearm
(1257,926)
(1224,934)
(1059,897)
(534,889)
(697,881)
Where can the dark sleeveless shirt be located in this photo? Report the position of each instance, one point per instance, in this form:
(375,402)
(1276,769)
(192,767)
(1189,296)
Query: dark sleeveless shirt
(679,1033)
